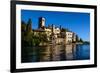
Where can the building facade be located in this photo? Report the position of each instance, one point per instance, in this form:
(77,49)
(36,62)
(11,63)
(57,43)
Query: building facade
(69,37)
(54,33)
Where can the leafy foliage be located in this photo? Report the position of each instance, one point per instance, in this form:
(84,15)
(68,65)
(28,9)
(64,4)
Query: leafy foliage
(28,38)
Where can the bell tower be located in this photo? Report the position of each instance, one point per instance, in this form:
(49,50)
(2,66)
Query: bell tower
(41,22)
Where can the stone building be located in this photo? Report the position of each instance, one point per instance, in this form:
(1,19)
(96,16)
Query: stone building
(69,37)
(55,32)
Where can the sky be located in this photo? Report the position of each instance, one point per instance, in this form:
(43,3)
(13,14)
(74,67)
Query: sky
(76,22)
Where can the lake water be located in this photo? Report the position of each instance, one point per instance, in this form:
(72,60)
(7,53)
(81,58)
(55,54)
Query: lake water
(56,53)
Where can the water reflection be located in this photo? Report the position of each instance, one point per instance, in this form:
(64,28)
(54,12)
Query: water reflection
(56,53)
(70,49)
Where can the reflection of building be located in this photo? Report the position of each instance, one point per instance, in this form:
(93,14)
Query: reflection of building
(69,50)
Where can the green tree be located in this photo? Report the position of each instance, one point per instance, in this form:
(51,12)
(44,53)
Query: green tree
(23,26)
(29,25)
(77,38)
(81,40)
(23,30)
(26,33)
(63,30)
(29,38)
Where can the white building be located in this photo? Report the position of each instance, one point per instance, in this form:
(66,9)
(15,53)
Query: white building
(52,31)
(69,37)
(57,30)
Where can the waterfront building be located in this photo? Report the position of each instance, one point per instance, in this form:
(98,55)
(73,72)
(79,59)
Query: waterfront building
(54,33)
(69,37)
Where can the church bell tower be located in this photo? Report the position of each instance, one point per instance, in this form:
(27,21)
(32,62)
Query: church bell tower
(41,22)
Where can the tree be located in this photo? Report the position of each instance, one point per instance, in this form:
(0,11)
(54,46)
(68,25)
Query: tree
(81,40)
(63,30)
(29,25)
(77,38)
(23,26)
(26,33)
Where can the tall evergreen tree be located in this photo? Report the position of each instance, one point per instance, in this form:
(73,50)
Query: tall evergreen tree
(29,25)
(81,40)
(23,26)
(77,38)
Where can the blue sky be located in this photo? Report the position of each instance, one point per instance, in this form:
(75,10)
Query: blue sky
(74,21)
